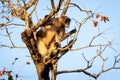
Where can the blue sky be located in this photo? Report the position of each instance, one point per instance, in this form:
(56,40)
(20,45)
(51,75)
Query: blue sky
(73,59)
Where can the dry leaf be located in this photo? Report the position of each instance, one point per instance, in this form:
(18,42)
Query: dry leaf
(104,18)
(1,73)
(97,16)
(95,23)
(28,63)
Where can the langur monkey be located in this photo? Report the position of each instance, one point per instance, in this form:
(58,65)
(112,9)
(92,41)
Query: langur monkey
(49,36)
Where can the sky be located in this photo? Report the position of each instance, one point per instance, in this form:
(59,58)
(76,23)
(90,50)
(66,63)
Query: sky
(73,59)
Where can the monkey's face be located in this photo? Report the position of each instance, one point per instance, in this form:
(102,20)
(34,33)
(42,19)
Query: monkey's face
(65,21)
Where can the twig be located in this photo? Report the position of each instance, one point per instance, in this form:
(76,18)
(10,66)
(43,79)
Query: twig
(88,46)
(95,37)
(87,11)
(33,8)
(2,45)
(88,62)
(80,24)
(9,37)
(12,5)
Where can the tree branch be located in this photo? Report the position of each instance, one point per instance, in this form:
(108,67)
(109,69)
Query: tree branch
(87,11)
(65,7)
(10,24)
(2,45)
(9,37)
(29,4)
(12,5)
(90,63)
(76,71)
(52,4)
(59,5)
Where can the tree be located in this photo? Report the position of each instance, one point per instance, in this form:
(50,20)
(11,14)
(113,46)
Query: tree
(24,10)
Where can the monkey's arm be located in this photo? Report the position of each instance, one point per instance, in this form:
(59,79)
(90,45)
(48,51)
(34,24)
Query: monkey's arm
(68,34)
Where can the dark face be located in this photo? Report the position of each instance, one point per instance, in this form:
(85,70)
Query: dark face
(65,21)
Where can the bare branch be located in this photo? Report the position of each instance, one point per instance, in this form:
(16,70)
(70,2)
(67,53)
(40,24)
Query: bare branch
(65,7)
(12,5)
(59,5)
(113,48)
(52,3)
(85,58)
(99,52)
(88,61)
(99,34)
(29,4)
(95,38)
(112,67)
(78,70)
(9,37)
(18,4)
(80,24)
(91,41)
(10,24)
(2,45)
(33,9)
(87,11)
(87,46)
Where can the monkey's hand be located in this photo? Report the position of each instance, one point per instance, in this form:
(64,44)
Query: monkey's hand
(57,44)
(66,35)
(73,31)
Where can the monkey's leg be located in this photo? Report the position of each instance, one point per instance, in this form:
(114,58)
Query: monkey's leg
(42,48)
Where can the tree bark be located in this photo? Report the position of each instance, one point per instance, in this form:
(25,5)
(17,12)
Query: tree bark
(42,68)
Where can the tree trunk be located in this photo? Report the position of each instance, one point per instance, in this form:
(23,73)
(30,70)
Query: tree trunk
(43,71)
(42,68)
